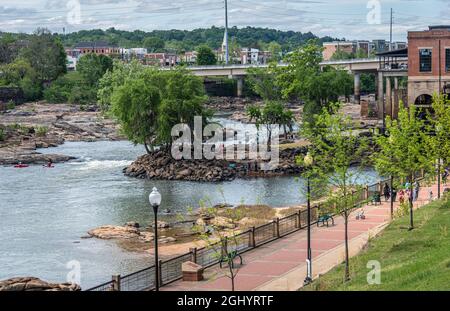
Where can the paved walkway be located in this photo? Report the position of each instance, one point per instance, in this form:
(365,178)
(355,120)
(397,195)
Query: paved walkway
(280,265)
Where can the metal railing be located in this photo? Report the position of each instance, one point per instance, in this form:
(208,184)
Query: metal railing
(170,270)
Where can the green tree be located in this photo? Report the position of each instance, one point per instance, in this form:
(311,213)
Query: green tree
(304,78)
(275,50)
(8,49)
(153,44)
(166,98)
(115,78)
(404,150)
(440,129)
(205,56)
(183,99)
(46,55)
(21,74)
(262,82)
(135,105)
(342,55)
(271,113)
(92,67)
(335,147)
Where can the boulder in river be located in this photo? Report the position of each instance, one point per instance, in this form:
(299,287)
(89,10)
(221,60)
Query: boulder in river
(115,232)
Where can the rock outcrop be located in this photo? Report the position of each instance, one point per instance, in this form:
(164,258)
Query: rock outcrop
(160,165)
(130,231)
(22,284)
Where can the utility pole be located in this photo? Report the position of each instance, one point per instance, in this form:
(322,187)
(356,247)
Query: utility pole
(390,37)
(226,33)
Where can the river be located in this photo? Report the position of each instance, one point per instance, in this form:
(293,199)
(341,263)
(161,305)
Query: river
(44,212)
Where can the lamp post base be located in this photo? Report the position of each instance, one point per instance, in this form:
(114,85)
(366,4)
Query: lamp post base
(307,281)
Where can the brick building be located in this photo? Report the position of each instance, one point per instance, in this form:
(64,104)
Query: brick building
(98,47)
(428,64)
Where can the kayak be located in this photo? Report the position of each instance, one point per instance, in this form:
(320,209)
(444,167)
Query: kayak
(21,165)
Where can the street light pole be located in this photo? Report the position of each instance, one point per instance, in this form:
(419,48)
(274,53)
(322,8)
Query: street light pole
(308,162)
(227,52)
(155,201)
(308,278)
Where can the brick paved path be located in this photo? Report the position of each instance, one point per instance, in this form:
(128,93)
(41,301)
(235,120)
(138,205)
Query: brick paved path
(280,265)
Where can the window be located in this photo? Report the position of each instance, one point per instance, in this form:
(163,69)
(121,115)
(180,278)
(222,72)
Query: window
(447,60)
(425,56)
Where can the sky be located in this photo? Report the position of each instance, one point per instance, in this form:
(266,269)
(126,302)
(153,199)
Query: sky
(350,19)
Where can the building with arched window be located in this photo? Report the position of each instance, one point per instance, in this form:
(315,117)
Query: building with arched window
(428,64)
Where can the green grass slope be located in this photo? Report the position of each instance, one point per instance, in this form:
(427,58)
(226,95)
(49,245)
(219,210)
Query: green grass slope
(410,260)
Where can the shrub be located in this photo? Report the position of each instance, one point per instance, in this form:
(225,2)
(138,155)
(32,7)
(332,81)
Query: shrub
(10,105)
(41,131)
(59,91)
(83,95)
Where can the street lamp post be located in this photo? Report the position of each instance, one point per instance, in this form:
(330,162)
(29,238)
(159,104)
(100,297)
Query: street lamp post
(308,162)
(155,201)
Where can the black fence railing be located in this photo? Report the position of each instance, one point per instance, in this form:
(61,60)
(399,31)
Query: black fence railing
(170,270)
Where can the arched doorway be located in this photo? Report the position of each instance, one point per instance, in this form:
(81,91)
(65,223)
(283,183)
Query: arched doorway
(423,104)
(424,100)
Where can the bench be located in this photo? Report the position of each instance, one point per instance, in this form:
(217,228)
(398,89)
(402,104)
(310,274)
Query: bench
(230,258)
(325,219)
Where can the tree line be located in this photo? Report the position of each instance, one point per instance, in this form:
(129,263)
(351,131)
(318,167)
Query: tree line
(188,40)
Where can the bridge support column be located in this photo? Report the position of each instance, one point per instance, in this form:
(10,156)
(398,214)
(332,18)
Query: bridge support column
(381,107)
(388,97)
(395,83)
(357,97)
(240,86)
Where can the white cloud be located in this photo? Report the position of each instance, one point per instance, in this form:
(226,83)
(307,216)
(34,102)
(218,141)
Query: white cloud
(343,18)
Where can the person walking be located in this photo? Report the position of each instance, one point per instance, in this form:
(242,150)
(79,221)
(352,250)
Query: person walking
(445,176)
(394,194)
(401,196)
(386,192)
(416,189)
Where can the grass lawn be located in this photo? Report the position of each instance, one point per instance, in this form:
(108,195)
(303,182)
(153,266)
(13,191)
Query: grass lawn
(410,260)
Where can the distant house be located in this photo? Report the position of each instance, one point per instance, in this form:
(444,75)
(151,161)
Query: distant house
(254,56)
(190,57)
(161,59)
(73,56)
(98,47)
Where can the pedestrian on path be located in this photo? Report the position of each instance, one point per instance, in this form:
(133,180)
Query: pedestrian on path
(430,196)
(386,192)
(394,194)
(416,189)
(401,197)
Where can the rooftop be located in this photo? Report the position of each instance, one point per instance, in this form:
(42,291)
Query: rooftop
(95,44)
(440,27)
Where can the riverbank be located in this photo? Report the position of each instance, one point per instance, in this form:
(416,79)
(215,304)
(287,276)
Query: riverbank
(41,125)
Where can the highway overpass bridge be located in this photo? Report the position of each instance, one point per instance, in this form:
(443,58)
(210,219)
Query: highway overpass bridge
(378,66)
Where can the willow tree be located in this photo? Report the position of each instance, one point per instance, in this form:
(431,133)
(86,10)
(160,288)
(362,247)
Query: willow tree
(404,150)
(337,150)
(148,103)
(135,105)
